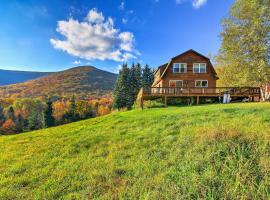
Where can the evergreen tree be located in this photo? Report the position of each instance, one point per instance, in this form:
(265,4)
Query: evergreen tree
(244,53)
(128,84)
(20,123)
(10,114)
(134,83)
(49,119)
(71,115)
(121,93)
(72,105)
(147,77)
(36,120)
(2,116)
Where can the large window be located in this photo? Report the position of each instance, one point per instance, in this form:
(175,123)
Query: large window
(176,83)
(201,83)
(179,67)
(199,68)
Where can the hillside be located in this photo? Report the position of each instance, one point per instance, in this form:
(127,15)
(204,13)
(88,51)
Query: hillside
(200,152)
(79,81)
(8,77)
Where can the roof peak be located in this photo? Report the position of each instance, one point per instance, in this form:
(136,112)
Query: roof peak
(191,50)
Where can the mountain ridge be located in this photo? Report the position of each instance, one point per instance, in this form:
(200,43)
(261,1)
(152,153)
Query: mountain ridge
(8,77)
(82,81)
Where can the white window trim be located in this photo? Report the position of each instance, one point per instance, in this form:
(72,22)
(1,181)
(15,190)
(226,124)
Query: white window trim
(175,82)
(199,68)
(201,86)
(179,68)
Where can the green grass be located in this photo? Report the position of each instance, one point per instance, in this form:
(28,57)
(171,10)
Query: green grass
(199,152)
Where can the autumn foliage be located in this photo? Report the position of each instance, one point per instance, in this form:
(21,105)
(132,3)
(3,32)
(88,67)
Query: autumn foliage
(19,115)
(9,126)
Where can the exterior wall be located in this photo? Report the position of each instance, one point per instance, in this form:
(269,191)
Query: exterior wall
(157,75)
(189,77)
(157,81)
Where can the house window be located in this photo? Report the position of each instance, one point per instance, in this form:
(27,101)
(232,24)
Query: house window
(201,83)
(176,83)
(179,67)
(199,67)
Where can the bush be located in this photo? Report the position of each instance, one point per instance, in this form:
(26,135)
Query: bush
(154,103)
(181,101)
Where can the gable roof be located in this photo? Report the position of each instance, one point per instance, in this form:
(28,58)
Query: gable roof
(160,67)
(188,51)
(193,51)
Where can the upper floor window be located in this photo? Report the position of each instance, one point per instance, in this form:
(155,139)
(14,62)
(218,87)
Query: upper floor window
(199,67)
(179,67)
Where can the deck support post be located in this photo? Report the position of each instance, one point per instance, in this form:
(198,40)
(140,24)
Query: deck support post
(141,102)
(166,101)
(198,100)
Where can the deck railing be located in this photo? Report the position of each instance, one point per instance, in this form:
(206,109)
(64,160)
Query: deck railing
(187,91)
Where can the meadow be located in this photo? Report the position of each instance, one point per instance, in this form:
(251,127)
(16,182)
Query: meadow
(196,152)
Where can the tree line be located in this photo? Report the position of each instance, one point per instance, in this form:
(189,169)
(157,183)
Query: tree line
(128,84)
(23,115)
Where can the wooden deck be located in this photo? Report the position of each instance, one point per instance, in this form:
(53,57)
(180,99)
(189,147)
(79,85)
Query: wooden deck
(253,93)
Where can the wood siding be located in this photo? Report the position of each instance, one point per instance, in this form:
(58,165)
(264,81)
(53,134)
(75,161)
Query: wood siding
(188,78)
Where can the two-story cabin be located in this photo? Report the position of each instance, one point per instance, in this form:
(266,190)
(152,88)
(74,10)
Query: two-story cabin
(192,74)
(189,69)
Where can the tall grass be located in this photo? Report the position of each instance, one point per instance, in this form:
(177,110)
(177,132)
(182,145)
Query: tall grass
(199,152)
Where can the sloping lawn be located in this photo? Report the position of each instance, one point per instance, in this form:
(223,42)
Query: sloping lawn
(199,152)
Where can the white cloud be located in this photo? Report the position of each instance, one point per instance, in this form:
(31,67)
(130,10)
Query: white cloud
(95,38)
(122,6)
(195,3)
(76,62)
(198,3)
(94,16)
(127,39)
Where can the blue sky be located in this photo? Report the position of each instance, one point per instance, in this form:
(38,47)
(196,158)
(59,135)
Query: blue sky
(52,35)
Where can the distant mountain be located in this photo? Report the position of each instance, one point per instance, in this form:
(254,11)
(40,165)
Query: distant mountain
(8,77)
(83,81)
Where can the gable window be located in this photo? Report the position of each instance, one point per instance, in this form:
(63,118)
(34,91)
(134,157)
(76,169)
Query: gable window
(201,83)
(199,67)
(176,83)
(179,67)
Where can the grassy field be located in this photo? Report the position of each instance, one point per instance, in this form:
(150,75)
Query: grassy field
(199,152)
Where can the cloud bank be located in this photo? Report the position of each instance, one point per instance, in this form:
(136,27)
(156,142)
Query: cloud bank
(95,38)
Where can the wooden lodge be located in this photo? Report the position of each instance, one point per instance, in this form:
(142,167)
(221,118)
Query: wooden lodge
(191,74)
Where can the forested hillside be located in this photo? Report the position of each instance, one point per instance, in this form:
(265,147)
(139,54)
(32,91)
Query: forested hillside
(80,81)
(8,77)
